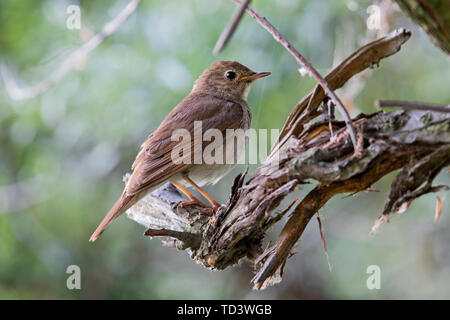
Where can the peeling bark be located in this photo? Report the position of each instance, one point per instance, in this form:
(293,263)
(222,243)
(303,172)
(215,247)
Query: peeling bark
(417,141)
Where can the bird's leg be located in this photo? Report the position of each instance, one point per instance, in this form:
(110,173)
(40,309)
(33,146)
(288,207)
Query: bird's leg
(215,205)
(193,200)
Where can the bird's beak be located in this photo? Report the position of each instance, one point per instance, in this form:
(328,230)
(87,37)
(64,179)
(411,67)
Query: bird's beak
(255,76)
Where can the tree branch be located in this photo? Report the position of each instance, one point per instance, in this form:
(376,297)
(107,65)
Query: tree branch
(227,33)
(17,93)
(302,61)
(417,141)
(365,57)
(409,105)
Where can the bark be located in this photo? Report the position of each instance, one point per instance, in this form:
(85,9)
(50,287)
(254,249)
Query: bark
(433,16)
(417,141)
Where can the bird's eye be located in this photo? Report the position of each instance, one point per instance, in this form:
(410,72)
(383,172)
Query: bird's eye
(230,75)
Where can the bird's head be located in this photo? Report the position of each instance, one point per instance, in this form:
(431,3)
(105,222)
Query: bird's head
(227,79)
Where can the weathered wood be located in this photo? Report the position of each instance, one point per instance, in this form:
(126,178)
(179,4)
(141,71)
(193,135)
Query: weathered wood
(417,141)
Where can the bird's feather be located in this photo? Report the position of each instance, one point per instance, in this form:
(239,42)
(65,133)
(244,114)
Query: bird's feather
(154,161)
(154,165)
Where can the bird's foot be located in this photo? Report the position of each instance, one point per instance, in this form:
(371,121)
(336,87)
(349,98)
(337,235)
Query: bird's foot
(196,202)
(214,205)
(193,202)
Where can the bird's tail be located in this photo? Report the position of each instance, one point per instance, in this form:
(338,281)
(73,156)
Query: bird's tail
(121,205)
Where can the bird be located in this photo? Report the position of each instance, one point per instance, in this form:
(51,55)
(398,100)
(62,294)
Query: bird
(219,100)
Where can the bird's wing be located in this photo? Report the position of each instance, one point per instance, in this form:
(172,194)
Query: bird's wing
(154,164)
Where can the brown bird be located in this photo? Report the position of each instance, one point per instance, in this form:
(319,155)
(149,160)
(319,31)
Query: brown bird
(219,100)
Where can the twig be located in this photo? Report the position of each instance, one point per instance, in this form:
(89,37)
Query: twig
(438,210)
(227,33)
(378,223)
(358,61)
(324,244)
(409,105)
(18,93)
(302,61)
(421,158)
(240,228)
(310,205)
(189,240)
(365,57)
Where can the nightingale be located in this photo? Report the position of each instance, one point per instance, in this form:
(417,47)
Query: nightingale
(219,100)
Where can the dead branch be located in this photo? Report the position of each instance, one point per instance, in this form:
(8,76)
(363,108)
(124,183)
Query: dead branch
(17,93)
(227,33)
(417,141)
(365,57)
(392,141)
(302,61)
(409,105)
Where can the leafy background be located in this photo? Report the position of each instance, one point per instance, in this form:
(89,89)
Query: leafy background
(63,154)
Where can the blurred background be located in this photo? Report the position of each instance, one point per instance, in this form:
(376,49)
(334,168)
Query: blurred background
(63,153)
